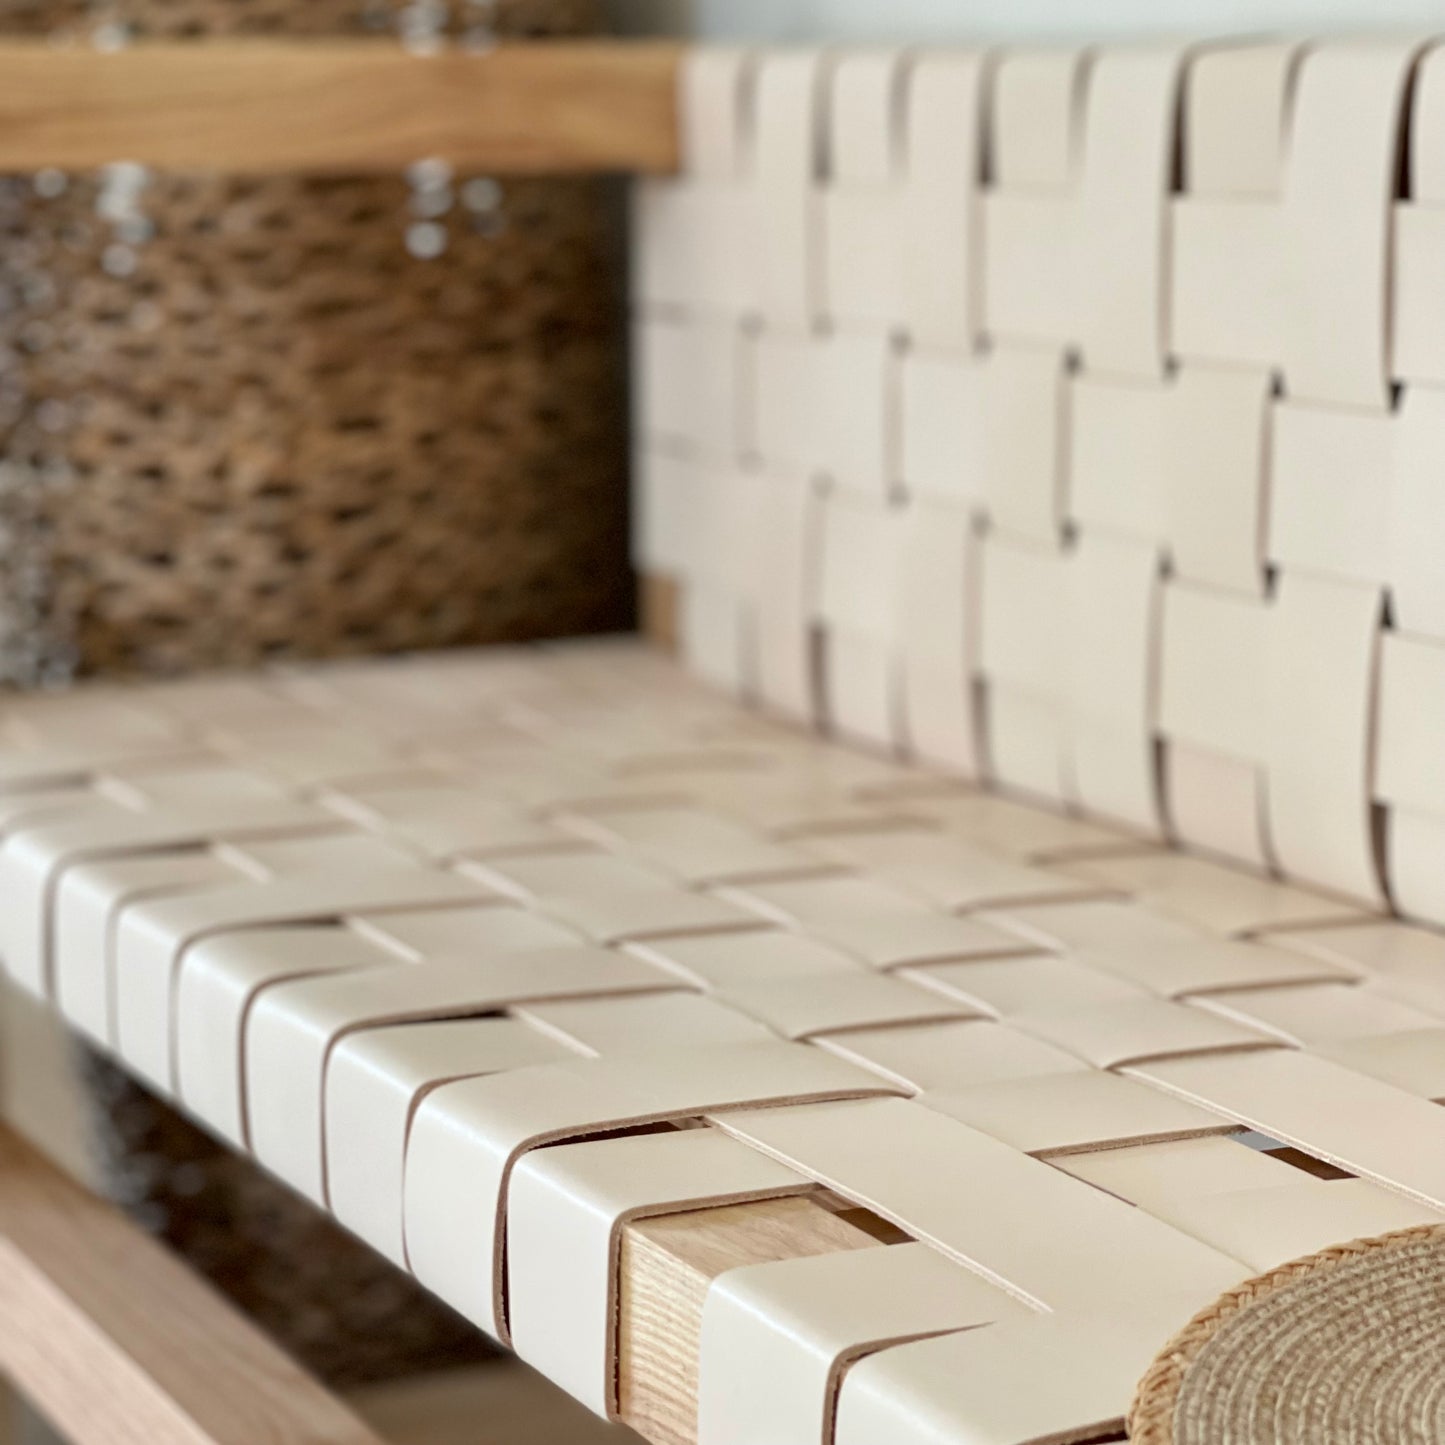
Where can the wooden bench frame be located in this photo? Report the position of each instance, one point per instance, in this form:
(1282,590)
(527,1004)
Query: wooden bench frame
(353,106)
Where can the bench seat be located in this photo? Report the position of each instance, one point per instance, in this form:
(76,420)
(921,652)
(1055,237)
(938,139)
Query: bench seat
(493,954)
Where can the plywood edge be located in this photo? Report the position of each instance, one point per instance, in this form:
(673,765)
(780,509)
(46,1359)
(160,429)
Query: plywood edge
(666,1266)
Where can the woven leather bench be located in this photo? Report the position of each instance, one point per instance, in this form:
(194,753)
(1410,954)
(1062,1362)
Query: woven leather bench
(1064,433)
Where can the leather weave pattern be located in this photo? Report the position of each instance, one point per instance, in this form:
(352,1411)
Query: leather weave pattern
(1072,418)
(449,942)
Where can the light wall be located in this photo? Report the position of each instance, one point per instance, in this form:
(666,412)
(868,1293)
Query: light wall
(962,19)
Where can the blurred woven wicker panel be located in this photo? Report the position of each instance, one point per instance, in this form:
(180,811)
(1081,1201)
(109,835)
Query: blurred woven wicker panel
(251,417)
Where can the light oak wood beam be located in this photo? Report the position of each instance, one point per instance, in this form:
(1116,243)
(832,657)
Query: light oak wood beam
(340,106)
(118,1342)
(666,1266)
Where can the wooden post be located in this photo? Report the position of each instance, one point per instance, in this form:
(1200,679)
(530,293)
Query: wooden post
(340,106)
(117,1342)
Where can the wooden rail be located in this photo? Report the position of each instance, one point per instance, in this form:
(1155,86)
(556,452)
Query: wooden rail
(667,1262)
(117,1342)
(340,106)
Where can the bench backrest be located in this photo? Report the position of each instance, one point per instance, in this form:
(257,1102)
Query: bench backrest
(1074,419)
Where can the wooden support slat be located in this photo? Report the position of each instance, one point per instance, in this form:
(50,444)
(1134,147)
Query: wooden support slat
(340,106)
(666,1266)
(119,1343)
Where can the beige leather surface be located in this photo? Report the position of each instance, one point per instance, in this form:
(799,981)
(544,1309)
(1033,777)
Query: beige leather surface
(777,1338)
(468,1136)
(1038,1379)
(294,1030)
(566,1208)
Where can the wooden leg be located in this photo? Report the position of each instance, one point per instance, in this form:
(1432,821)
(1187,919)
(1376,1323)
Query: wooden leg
(119,1343)
(657,600)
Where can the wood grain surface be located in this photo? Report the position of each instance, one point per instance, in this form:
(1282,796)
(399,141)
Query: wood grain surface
(340,106)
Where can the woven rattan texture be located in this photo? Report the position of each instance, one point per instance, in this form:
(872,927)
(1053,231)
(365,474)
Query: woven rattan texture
(390,927)
(241,419)
(1341,1346)
(1075,419)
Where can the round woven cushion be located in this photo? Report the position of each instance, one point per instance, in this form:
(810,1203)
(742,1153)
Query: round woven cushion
(1345,1347)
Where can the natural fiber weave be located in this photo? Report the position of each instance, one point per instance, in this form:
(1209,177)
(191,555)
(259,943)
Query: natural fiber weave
(1347,1345)
(283,435)
(255,423)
